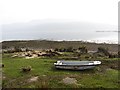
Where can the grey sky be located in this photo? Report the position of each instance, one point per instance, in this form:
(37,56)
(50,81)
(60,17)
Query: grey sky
(53,19)
(58,30)
(96,11)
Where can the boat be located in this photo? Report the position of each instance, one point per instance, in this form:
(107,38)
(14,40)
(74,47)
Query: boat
(76,65)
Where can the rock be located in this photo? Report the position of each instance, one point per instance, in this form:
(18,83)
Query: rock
(44,75)
(33,79)
(3,77)
(36,52)
(28,57)
(34,55)
(14,56)
(69,80)
(23,55)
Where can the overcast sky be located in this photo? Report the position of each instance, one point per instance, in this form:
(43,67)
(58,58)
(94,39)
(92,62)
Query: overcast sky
(97,11)
(54,19)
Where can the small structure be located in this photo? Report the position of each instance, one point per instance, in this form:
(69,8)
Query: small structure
(76,65)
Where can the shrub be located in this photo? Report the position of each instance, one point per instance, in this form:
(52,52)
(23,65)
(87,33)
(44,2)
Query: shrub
(119,54)
(56,49)
(69,49)
(87,57)
(26,69)
(17,49)
(103,50)
(111,56)
(83,49)
(1,65)
(62,50)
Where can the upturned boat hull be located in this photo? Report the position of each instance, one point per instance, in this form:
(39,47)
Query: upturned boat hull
(76,65)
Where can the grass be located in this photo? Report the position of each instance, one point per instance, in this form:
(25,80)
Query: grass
(49,77)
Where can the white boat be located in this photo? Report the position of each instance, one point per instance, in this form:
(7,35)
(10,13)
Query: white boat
(76,65)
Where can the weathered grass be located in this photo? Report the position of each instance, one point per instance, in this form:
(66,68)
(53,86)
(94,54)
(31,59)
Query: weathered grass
(100,77)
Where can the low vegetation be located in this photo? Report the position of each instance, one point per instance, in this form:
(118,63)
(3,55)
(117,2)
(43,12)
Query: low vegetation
(26,69)
(103,76)
(33,68)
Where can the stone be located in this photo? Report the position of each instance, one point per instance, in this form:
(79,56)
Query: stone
(33,79)
(69,80)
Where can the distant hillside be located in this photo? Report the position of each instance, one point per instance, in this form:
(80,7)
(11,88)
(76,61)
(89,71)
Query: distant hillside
(45,44)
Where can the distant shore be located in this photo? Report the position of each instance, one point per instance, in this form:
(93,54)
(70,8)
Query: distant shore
(90,41)
(48,44)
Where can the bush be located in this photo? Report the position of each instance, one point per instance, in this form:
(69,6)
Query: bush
(103,50)
(83,49)
(87,57)
(119,54)
(113,56)
(56,49)
(9,51)
(2,65)
(17,49)
(69,49)
(62,50)
(26,69)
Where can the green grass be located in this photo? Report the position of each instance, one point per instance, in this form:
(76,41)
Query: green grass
(49,77)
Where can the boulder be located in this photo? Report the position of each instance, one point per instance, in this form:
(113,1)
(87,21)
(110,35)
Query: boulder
(69,80)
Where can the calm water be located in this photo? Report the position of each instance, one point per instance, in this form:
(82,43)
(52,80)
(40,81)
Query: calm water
(60,31)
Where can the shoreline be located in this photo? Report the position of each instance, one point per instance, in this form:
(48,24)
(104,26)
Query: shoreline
(87,41)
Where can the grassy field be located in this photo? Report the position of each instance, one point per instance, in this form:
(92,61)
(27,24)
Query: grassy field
(103,76)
